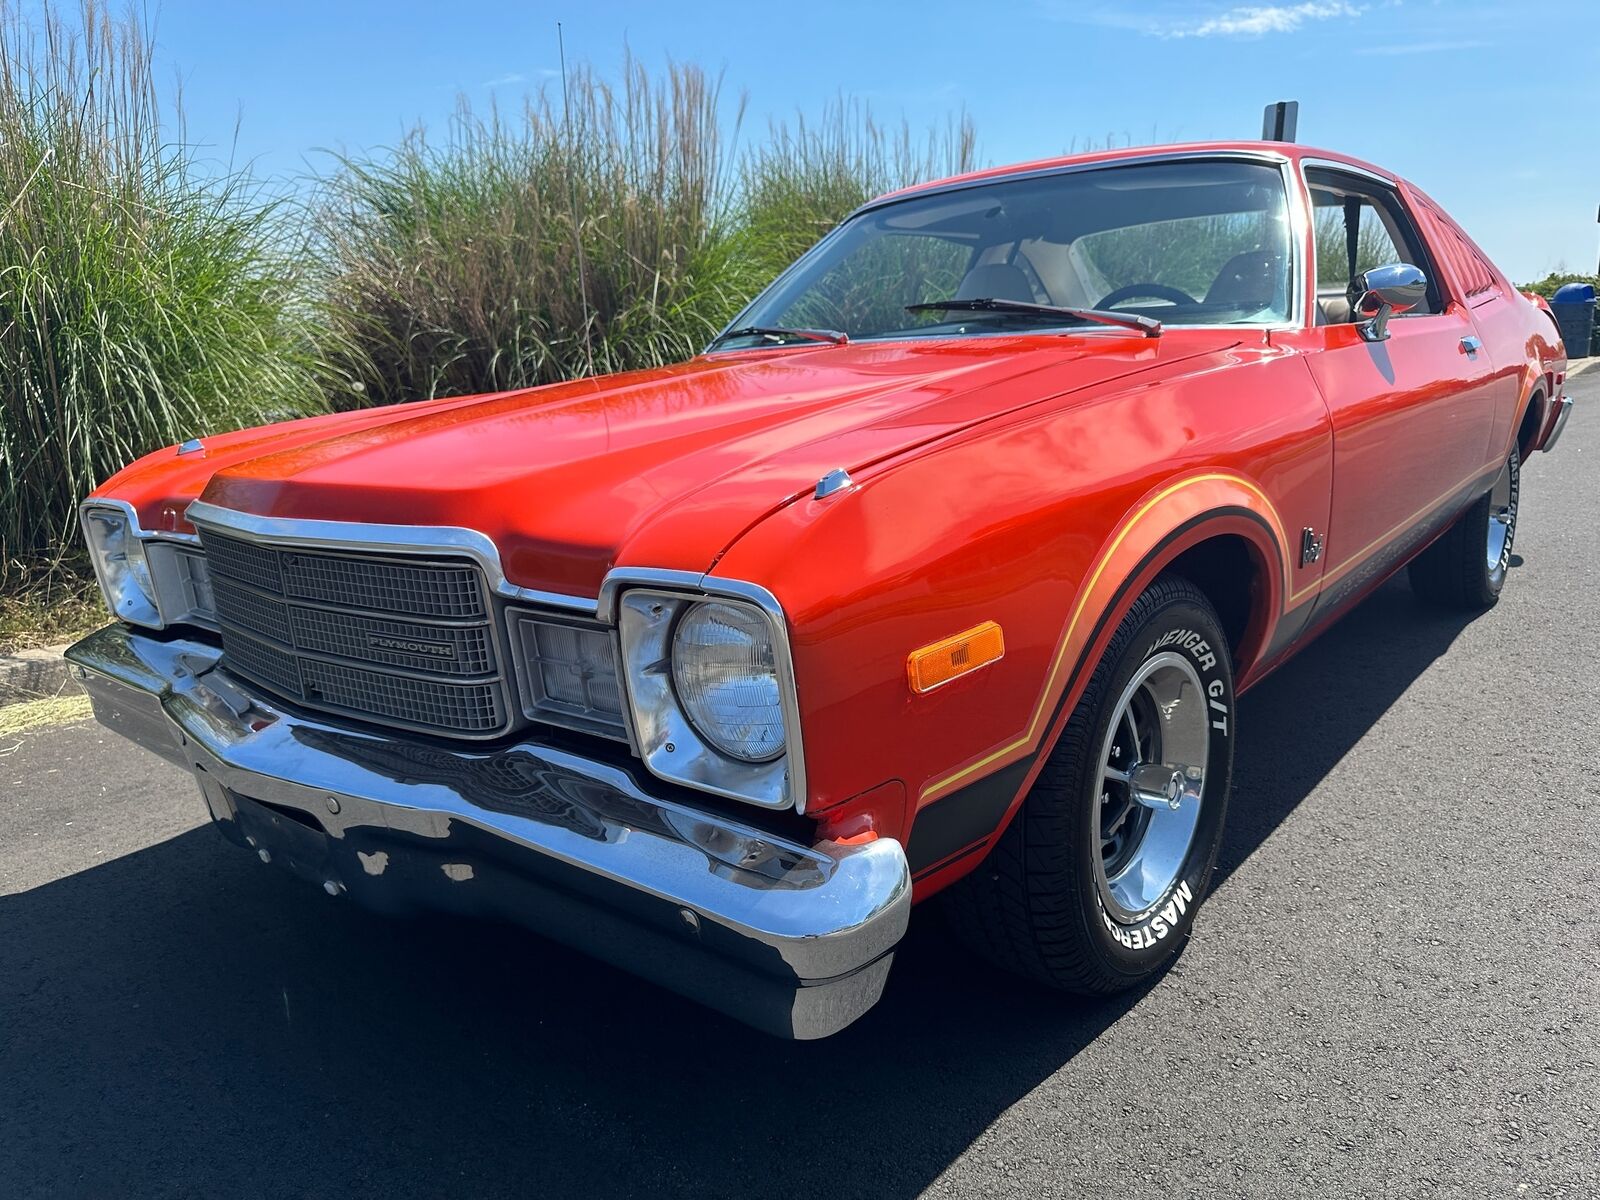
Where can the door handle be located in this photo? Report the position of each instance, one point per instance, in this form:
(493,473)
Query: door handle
(1471,345)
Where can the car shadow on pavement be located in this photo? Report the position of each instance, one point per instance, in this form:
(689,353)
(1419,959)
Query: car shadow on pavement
(182,1021)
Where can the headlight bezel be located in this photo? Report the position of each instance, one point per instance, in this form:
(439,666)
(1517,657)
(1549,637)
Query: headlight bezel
(647,613)
(168,571)
(117,550)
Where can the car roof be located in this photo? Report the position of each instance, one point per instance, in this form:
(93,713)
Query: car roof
(1291,151)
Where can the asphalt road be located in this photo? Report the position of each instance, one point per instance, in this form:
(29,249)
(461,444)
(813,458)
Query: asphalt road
(1393,990)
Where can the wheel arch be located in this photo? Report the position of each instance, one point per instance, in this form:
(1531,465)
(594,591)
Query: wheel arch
(1208,528)
(1531,422)
(1222,533)
(1232,571)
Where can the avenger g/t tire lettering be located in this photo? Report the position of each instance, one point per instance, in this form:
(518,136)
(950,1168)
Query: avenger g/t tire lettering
(1094,885)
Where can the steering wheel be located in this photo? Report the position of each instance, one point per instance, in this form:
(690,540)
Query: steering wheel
(1157,291)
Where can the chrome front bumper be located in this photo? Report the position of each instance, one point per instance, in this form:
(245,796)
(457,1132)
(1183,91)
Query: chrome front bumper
(793,939)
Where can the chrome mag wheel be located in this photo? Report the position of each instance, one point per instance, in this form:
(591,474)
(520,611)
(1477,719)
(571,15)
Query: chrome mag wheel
(1094,886)
(1502,519)
(1152,785)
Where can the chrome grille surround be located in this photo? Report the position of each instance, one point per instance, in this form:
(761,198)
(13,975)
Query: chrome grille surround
(458,544)
(405,641)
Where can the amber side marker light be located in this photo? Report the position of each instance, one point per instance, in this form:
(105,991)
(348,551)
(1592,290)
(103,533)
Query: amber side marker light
(938,664)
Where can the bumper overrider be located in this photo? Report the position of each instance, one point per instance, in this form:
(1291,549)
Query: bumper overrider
(793,939)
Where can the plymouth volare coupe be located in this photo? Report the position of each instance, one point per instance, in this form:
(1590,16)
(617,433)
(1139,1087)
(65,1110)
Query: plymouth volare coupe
(938,573)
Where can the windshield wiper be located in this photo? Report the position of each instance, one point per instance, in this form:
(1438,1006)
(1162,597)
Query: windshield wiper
(1148,326)
(781,334)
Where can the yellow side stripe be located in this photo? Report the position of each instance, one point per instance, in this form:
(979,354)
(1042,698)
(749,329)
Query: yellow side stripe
(1026,739)
(1327,577)
(1044,704)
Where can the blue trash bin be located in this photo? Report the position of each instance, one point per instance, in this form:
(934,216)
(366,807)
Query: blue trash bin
(1573,306)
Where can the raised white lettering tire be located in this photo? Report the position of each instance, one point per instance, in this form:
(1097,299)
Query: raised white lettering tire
(1093,886)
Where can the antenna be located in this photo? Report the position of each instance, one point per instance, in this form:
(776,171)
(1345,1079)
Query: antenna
(1279,120)
(572,198)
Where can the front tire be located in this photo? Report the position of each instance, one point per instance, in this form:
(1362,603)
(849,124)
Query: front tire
(1094,885)
(1466,567)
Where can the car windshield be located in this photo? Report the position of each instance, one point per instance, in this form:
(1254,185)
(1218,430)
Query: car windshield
(1194,242)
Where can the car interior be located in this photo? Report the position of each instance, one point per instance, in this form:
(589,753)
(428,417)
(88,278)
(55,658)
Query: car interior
(1194,242)
(1203,242)
(1357,227)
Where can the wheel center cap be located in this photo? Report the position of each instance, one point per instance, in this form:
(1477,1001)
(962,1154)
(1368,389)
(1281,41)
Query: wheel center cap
(1161,785)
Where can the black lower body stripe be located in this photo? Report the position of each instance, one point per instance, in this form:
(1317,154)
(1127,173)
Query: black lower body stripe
(955,826)
(944,830)
(949,828)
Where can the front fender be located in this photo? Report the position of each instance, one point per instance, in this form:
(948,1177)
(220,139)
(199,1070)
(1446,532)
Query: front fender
(1048,526)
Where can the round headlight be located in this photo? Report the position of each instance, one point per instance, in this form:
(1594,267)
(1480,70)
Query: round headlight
(724,670)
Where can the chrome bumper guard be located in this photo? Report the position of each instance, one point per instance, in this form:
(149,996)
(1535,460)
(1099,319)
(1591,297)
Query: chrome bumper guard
(1563,411)
(795,940)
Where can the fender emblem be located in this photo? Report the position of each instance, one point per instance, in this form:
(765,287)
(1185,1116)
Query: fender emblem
(1310,546)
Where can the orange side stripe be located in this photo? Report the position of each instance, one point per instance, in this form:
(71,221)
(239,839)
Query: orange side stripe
(1042,708)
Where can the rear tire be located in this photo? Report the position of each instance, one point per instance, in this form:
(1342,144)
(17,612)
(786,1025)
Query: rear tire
(1466,567)
(1094,885)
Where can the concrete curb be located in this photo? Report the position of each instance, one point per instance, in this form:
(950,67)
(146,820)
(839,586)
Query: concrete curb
(35,675)
(1578,366)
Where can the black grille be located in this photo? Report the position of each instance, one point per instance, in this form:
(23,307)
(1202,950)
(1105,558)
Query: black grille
(451,593)
(407,643)
(240,560)
(433,649)
(469,709)
(263,662)
(247,609)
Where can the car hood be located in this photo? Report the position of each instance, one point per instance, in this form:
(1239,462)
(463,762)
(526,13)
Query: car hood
(664,468)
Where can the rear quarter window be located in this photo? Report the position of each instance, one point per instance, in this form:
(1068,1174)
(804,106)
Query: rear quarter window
(1478,278)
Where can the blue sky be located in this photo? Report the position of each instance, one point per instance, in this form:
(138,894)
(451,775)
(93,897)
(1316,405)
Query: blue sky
(1478,103)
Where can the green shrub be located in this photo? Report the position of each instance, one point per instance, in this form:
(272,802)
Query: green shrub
(1551,283)
(142,299)
(452,265)
(806,178)
(147,295)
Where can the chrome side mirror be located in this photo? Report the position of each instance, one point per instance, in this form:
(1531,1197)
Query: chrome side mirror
(1382,292)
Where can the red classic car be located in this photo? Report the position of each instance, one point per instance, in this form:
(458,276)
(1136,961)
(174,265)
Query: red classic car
(937,574)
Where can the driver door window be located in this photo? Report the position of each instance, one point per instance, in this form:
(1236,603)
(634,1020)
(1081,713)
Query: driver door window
(1358,227)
